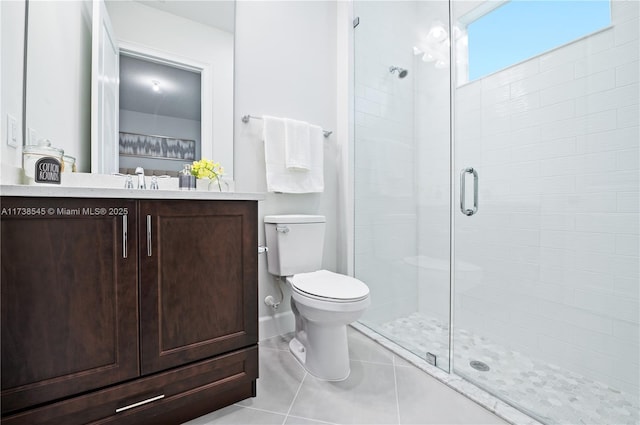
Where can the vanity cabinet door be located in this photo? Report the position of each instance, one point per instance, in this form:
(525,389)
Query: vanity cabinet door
(198,280)
(69,297)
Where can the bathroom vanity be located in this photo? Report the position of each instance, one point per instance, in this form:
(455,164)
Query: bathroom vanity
(125,306)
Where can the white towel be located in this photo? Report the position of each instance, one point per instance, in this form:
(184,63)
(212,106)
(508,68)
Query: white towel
(297,145)
(279,177)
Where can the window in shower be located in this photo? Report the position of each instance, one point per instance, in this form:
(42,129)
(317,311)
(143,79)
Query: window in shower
(505,33)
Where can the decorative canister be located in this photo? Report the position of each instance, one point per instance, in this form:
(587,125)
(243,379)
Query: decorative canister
(42,162)
(69,164)
(186,180)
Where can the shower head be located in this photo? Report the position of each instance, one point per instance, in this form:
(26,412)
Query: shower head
(401,71)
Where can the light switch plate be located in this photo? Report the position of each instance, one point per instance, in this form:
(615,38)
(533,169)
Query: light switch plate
(12,131)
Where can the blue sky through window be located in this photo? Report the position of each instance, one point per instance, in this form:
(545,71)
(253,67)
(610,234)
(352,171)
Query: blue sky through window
(520,29)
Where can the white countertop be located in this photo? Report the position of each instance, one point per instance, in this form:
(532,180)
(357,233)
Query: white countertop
(54,191)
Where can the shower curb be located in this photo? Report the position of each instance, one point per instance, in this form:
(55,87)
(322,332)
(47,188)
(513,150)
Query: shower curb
(499,407)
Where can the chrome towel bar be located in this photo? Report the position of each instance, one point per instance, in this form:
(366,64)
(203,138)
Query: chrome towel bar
(246,118)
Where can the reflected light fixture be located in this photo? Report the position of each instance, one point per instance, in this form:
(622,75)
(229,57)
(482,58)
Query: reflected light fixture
(434,46)
(155,86)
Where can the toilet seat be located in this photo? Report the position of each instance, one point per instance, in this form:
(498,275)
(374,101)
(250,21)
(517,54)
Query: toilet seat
(324,285)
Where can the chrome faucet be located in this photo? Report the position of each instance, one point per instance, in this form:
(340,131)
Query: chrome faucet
(140,174)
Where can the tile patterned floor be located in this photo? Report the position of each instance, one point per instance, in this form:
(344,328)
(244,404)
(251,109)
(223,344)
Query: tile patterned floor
(382,389)
(552,394)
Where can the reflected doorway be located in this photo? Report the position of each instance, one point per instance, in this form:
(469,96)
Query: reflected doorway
(160,115)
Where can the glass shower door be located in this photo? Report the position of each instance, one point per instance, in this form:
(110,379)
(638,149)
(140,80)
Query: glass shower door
(546,257)
(402,178)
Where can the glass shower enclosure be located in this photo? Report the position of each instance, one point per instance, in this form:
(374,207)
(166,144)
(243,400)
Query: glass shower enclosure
(496,195)
(402,176)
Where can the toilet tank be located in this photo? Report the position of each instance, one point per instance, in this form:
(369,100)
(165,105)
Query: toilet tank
(295,243)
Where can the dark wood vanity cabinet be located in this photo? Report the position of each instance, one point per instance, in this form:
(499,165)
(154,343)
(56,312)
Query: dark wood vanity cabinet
(193,280)
(126,311)
(69,298)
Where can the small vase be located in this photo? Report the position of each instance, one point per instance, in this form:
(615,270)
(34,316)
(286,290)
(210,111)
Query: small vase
(219,185)
(212,185)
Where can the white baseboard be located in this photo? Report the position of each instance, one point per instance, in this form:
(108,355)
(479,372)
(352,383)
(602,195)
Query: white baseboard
(277,324)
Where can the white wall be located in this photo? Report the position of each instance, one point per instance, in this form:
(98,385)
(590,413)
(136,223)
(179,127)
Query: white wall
(286,66)
(141,123)
(11,69)
(151,28)
(345,110)
(59,76)
(555,140)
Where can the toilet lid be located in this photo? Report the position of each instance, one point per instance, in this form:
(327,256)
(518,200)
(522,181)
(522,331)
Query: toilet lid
(326,284)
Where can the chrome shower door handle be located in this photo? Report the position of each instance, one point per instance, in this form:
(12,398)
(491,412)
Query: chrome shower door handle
(463,174)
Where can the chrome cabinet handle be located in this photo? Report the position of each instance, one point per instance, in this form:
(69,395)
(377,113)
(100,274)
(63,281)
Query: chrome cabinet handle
(124,236)
(140,403)
(149,251)
(466,211)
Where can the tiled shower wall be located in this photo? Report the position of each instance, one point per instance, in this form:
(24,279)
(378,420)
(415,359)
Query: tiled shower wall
(385,201)
(433,170)
(555,141)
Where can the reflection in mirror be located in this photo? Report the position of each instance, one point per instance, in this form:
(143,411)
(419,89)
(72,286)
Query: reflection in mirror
(190,35)
(58,77)
(159,116)
(105,111)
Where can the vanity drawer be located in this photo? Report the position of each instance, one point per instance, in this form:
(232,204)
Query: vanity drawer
(168,397)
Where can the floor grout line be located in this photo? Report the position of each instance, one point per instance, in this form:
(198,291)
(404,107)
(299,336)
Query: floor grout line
(260,409)
(295,396)
(309,419)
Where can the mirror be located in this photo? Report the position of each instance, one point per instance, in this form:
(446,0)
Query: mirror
(149,90)
(190,36)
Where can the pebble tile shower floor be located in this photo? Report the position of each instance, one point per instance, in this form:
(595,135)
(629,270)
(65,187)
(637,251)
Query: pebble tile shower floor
(553,394)
(382,389)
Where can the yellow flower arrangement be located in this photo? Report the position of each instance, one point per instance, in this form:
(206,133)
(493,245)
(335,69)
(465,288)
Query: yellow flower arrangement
(207,169)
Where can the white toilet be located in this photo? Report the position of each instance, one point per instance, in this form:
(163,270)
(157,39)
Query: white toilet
(323,302)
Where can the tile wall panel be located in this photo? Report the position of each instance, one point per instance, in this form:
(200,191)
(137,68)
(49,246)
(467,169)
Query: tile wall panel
(557,232)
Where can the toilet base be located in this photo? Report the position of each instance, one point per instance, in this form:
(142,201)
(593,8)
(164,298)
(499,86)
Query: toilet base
(320,341)
(298,351)
(322,351)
